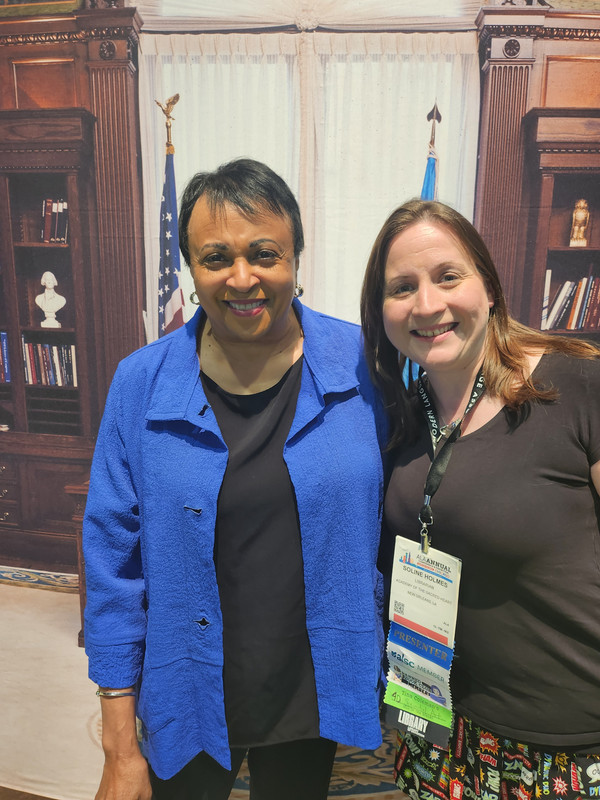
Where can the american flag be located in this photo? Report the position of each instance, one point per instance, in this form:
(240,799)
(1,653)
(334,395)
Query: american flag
(170,295)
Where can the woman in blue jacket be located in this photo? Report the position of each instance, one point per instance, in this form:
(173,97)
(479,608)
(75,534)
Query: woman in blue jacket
(232,523)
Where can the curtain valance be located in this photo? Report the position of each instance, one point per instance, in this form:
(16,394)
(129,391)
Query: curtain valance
(303,15)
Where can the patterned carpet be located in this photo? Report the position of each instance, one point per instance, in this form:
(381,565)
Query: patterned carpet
(56,581)
(357,775)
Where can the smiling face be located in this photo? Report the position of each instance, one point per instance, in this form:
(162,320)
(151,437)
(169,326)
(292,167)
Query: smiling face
(436,304)
(244,271)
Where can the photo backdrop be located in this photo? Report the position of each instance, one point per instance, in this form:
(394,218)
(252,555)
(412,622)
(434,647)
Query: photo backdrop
(342,117)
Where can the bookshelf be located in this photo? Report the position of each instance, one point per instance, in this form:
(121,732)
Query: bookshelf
(68,132)
(562,289)
(572,280)
(49,301)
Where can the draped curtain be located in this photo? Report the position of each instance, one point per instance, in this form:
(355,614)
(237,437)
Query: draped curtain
(339,15)
(340,116)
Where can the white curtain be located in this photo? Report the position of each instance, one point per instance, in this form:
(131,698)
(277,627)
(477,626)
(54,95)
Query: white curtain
(339,15)
(340,116)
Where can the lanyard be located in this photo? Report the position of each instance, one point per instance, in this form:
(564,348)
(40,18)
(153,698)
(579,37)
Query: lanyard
(441,458)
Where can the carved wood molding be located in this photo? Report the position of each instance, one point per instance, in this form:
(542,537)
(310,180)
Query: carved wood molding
(44,150)
(537,32)
(35,140)
(17,163)
(566,159)
(70,37)
(559,149)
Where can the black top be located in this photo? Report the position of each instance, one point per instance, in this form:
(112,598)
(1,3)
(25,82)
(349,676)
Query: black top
(269,683)
(520,511)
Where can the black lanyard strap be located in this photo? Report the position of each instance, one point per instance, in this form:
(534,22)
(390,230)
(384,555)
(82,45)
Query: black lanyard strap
(440,461)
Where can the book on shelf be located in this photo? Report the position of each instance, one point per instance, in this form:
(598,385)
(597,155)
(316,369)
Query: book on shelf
(46,219)
(592,315)
(575,305)
(48,364)
(58,372)
(53,223)
(32,364)
(585,299)
(4,358)
(546,300)
(39,359)
(556,312)
(63,222)
(26,364)
(55,220)
(563,317)
(573,315)
(74,366)
(48,368)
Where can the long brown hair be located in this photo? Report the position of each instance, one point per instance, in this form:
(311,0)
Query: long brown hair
(508,342)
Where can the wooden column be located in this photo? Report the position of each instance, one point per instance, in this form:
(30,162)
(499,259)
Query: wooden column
(500,174)
(112,51)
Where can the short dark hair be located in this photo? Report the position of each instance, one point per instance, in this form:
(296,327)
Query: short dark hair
(248,185)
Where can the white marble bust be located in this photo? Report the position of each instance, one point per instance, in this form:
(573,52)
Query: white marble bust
(50,301)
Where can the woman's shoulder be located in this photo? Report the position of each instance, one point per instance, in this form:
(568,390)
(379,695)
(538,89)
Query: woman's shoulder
(572,376)
(170,356)
(564,365)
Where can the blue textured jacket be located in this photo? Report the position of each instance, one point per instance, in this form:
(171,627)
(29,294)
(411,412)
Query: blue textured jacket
(153,612)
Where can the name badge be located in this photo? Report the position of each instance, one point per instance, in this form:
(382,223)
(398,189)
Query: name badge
(423,611)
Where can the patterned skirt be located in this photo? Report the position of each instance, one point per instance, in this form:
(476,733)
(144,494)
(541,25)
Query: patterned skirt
(482,766)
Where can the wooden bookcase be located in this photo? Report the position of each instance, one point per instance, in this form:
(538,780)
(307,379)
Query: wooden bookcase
(68,130)
(539,148)
(564,158)
(48,392)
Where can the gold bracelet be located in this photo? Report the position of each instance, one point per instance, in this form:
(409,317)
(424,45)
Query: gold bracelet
(102,693)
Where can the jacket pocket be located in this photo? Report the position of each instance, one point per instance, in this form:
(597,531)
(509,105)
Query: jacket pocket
(162,690)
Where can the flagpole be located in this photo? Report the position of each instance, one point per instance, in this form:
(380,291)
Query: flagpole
(170,294)
(429,190)
(166,109)
(435,116)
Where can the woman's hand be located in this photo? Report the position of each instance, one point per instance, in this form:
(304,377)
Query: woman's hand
(125,778)
(125,775)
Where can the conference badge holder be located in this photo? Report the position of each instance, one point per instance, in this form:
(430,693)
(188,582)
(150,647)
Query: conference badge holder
(420,648)
(424,603)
